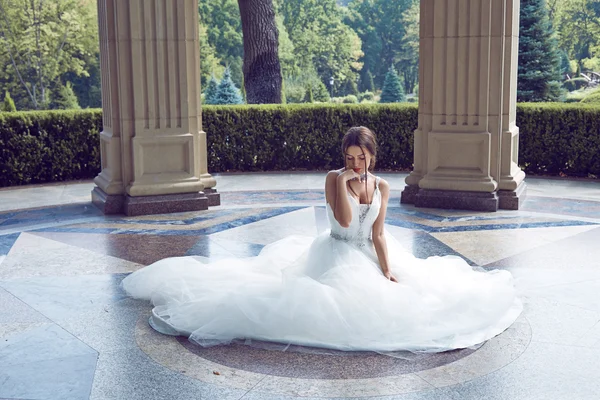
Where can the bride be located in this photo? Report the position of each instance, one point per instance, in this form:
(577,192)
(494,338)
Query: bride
(351,288)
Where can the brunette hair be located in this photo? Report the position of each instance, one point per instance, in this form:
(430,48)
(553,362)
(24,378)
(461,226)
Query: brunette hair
(362,137)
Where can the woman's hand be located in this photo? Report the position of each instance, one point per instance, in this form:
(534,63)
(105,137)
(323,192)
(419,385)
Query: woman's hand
(390,277)
(348,175)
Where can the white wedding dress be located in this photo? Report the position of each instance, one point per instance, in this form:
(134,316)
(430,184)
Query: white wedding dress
(329,292)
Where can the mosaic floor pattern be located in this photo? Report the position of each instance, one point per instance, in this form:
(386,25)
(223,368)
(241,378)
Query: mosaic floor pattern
(67,331)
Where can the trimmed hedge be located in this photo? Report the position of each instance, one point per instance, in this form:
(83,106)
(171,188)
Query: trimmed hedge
(303,137)
(50,146)
(559,139)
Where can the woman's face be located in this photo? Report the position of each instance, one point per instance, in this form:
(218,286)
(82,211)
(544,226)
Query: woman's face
(358,158)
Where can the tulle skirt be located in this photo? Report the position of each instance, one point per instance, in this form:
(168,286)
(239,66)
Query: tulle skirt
(326,293)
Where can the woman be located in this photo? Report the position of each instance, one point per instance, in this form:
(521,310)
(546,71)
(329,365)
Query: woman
(351,288)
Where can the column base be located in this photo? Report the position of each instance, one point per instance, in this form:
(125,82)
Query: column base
(146,205)
(164,204)
(409,194)
(214,198)
(458,200)
(512,199)
(108,203)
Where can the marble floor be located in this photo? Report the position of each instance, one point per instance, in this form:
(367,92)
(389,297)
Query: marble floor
(67,331)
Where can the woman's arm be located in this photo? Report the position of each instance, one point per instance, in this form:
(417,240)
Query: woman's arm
(378,232)
(336,195)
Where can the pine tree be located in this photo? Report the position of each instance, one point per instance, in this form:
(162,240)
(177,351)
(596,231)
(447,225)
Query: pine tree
(66,99)
(539,59)
(227,92)
(210,94)
(392,88)
(9,104)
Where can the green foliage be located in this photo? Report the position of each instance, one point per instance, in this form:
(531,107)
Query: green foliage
(303,137)
(366,81)
(66,98)
(392,91)
(575,84)
(558,138)
(539,59)
(222,25)
(210,94)
(593,97)
(389,31)
(227,92)
(210,63)
(8,105)
(575,96)
(41,41)
(321,41)
(578,26)
(49,146)
(320,92)
(350,99)
(295,90)
(53,146)
(369,96)
(309,95)
(349,87)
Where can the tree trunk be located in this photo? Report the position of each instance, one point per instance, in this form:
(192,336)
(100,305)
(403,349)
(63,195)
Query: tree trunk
(262,72)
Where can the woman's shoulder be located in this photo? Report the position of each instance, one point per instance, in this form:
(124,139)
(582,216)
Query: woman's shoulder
(333,174)
(382,183)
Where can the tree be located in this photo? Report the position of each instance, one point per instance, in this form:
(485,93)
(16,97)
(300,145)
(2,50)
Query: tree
(578,26)
(539,60)
(210,63)
(9,104)
(210,94)
(66,98)
(320,92)
(262,72)
(389,33)
(309,95)
(41,41)
(322,42)
(366,81)
(227,92)
(392,88)
(222,21)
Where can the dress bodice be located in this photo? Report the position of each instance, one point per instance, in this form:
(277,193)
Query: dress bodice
(363,218)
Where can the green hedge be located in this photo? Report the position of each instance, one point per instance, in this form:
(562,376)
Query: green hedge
(49,146)
(558,138)
(303,137)
(52,146)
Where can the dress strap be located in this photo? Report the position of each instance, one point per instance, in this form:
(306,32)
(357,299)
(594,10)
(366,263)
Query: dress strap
(377,179)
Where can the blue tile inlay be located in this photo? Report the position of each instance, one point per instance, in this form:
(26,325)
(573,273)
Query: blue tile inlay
(7,242)
(193,232)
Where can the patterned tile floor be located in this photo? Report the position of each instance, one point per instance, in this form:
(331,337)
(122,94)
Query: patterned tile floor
(67,331)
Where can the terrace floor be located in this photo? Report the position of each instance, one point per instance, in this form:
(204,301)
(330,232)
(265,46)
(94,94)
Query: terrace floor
(67,331)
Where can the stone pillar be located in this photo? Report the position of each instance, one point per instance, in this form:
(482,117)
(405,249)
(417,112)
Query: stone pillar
(153,149)
(466,143)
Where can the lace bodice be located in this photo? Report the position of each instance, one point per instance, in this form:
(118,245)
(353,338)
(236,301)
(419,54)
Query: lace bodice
(363,218)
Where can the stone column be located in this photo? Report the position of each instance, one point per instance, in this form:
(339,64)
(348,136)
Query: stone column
(466,143)
(153,149)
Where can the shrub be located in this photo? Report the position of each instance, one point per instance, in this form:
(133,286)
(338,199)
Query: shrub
(575,84)
(557,138)
(369,96)
(593,97)
(49,146)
